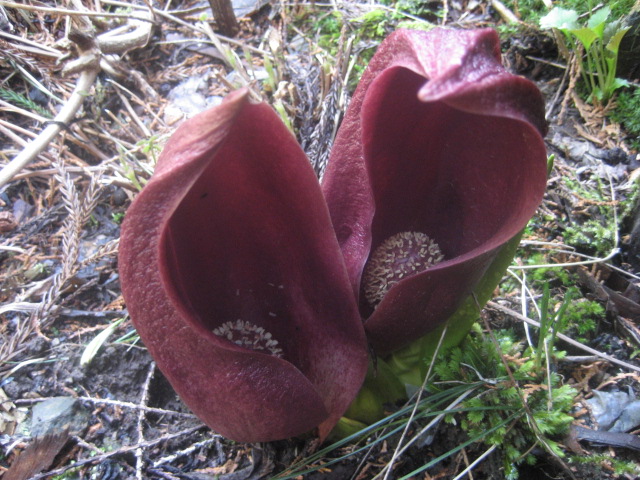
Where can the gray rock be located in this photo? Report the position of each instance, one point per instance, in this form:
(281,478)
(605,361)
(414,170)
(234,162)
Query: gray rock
(606,407)
(56,414)
(615,411)
(629,418)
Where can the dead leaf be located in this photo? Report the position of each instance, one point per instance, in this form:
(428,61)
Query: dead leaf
(38,455)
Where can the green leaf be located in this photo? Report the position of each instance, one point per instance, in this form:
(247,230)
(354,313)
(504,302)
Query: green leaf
(345,428)
(597,20)
(560,18)
(380,386)
(619,83)
(585,35)
(614,44)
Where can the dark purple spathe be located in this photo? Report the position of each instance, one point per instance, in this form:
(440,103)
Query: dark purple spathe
(450,146)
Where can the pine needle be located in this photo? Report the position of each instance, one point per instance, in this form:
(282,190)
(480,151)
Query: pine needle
(22,101)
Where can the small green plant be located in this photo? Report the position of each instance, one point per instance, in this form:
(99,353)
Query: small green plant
(596,232)
(373,24)
(417,8)
(271,81)
(138,171)
(551,322)
(150,147)
(556,277)
(590,235)
(580,316)
(600,39)
(279,107)
(530,11)
(130,174)
(329,27)
(514,382)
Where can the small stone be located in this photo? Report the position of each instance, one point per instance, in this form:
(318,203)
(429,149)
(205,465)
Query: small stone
(57,414)
(615,156)
(7,222)
(119,197)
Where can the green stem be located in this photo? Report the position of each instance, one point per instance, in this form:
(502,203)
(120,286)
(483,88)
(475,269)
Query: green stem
(381,387)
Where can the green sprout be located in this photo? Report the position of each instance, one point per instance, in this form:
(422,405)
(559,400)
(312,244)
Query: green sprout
(150,147)
(600,40)
(98,341)
(551,322)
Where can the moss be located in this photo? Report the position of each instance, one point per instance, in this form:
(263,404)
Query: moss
(548,402)
(627,113)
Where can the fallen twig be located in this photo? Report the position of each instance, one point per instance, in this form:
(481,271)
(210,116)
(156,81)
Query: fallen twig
(119,451)
(506,14)
(116,403)
(68,111)
(569,340)
(63,11)
(89,64)
(141,418)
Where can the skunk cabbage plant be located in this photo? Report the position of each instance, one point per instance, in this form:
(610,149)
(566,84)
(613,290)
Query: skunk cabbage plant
(259,292)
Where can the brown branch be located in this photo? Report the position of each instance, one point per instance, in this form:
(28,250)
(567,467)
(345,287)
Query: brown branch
(68,111)
(225,17)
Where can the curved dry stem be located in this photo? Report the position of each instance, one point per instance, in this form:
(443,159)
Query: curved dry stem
(89,66)
(68,111)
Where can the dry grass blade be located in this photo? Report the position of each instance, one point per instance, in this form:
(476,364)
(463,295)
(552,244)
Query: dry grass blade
(30,46)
